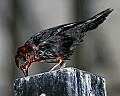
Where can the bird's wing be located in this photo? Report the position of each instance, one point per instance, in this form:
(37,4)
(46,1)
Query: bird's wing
(72,29)
(81,27)
(47,33)
(77,30)
(67,36)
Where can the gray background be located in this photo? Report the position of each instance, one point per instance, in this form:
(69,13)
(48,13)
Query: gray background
(99,53)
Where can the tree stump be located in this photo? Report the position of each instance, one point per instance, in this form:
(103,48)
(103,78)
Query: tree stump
(62,82)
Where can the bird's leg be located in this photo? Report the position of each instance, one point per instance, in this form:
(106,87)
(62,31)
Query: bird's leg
(62,64)
(59,60)
(54,67)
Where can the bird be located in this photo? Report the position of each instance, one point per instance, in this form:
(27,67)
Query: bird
(56,44)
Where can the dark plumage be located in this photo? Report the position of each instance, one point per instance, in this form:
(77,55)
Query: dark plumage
(57,44)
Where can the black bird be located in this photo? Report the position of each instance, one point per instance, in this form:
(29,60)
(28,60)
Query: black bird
(56,44)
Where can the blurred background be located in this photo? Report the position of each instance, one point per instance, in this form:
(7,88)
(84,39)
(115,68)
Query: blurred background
(98,54)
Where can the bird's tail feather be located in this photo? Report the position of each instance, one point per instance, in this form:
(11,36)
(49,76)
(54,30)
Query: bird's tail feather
(98,19)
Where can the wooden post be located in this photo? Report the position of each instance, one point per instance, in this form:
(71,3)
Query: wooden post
(62,82)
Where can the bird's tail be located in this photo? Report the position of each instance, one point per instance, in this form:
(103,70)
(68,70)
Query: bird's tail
(98,19)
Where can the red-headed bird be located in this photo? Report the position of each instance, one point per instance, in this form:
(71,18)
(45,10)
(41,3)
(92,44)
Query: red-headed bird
(56,44)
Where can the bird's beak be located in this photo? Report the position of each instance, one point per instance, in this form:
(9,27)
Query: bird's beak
(25,72)
(25,67)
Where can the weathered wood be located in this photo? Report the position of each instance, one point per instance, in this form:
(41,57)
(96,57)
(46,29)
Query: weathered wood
(62,82)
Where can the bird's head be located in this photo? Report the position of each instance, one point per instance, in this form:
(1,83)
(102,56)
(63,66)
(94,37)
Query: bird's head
(22,59)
